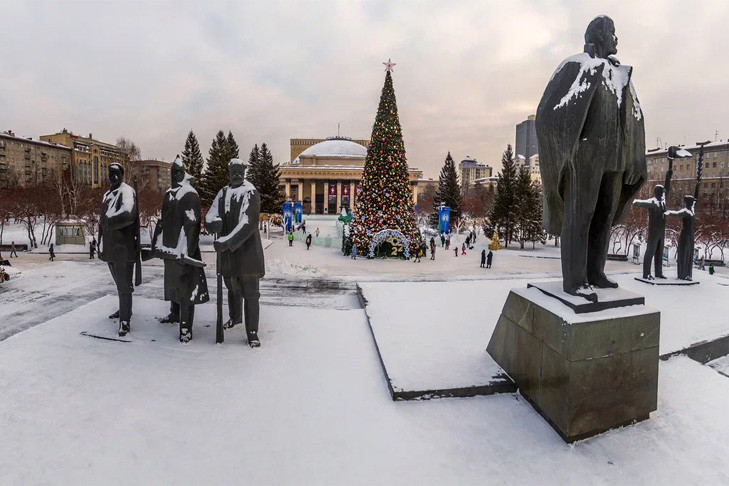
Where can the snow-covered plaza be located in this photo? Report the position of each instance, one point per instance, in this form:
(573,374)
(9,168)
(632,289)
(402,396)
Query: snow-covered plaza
(312,405)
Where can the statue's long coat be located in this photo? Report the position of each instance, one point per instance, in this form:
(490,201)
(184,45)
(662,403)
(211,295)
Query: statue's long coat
(589,118)
(119,242)
(180,235)
(239,208)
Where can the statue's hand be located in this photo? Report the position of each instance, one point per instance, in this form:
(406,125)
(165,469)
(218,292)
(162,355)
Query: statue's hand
(220,246)
(214,226)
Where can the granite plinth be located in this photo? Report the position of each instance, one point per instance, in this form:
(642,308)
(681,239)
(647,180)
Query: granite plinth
(606,298)
(667,281)
(584,373)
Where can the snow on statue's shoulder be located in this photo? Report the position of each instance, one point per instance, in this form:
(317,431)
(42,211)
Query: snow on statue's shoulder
(615,78)
(127,200)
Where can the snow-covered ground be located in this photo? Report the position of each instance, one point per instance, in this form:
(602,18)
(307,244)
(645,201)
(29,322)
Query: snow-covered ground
(433,335)
(311,405)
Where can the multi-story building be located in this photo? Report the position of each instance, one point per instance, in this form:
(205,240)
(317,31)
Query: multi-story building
(157,173)
(534,169)
(325,176)
(526,138)
(24,161)
(91,158)
(471,170)
(714,188)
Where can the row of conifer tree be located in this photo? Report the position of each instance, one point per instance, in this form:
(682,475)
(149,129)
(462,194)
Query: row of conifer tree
(517,208)
(210,177)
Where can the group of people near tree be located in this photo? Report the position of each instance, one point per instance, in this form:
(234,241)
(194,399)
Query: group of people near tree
(232,217)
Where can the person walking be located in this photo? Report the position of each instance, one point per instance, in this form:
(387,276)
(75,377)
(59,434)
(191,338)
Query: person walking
(317,232)
(432,249)
(448,242)
(51,252)
(92,249)
(455,251)
(468,241)
(12,250)
(711,269)
(354,252)
(483,258)
(291,238)
(442,240)
(308,241)
(463,249)
(489,257)
(303,227)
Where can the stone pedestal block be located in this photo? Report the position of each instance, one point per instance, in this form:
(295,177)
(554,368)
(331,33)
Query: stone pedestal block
(584,373)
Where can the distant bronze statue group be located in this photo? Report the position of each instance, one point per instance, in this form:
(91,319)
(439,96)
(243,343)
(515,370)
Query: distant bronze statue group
(233,218)
(591,137)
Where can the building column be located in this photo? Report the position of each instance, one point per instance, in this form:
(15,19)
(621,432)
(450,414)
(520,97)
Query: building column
(339,196)
(313,197)
(415,193)
(301,191)
(326,197)
(351,196)
(288,190)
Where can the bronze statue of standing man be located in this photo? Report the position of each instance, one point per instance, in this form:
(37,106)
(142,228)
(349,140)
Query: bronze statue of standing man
(119,242)
(591,142)
(656,207)
(185,283)
(234,218)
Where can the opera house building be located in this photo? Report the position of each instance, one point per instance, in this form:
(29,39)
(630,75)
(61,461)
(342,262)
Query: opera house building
(324,174)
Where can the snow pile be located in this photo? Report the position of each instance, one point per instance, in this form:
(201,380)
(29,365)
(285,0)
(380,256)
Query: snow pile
(278,267)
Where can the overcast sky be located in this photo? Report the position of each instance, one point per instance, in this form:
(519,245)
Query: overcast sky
(467,71)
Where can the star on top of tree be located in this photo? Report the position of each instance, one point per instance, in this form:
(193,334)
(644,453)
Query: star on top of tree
(389,65)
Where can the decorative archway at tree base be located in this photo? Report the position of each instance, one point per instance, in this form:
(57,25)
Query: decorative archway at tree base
(383,236)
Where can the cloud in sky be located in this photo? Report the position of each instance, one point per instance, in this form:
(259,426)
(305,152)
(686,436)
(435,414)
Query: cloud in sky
(467,71)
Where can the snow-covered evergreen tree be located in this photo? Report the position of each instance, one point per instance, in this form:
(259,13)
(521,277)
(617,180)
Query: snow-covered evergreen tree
(215,175)
(232,146)
(192,158)
(268,180)
(253,172)
(528,209)
(448,192)
(503,214)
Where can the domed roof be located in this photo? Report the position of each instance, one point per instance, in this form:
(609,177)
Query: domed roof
(336,147)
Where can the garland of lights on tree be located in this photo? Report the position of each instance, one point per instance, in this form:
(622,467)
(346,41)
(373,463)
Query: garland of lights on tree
(386,200)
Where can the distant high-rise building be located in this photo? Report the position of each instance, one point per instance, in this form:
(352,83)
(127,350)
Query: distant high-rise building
(526,139)
(470,171)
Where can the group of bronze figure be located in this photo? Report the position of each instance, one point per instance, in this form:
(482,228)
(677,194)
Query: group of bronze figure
(233,218)
(591,138)
(657,214)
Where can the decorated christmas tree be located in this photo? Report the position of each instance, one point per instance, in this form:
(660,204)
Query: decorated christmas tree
(386,200)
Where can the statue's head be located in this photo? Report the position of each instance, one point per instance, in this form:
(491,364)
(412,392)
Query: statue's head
(116,175)
(658,191)
(601,34)
(689,202)
(177,172)
(237,172)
